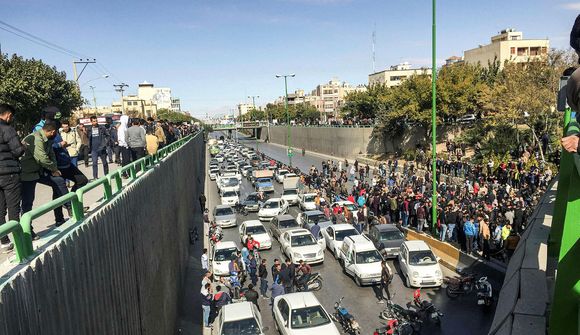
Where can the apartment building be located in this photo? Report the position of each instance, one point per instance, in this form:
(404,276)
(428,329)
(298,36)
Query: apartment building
(396,74)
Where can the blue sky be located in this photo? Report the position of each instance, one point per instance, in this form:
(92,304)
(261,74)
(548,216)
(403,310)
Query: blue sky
(214,53)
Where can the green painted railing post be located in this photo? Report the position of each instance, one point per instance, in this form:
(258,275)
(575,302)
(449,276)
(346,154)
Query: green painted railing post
(108,190)
(18,239)
(25,222)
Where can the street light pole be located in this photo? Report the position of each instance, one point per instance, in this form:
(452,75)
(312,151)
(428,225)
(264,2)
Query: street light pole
(290,153)
(121,88)
(254,107)
(94,98)
(434,122)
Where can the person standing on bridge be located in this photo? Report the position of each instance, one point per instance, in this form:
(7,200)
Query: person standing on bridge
(136,140)
(98,141)
(10,150)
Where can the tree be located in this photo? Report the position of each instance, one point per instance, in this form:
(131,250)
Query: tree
(30,85)
(171,116)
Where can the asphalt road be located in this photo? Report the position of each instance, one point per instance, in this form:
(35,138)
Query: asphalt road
(462,316)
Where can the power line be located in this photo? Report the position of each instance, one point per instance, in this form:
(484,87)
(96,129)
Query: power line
(37,42)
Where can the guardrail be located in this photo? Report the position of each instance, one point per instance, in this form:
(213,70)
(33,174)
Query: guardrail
(22,230)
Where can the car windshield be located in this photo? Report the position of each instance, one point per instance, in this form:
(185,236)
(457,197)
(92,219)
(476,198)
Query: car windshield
(391,235)
(230,182)
(214,171)
(283,172)
(422,257)
(253,230)
(252,198)
(228,194)
(351,207)
(370,256)
(290,192)
(272,204)
(224,254)
(342,234)
(309,198)
(316,218)
(224,211)
(263,180)
(308,317)
(288,223)
(241,327)
(302,240)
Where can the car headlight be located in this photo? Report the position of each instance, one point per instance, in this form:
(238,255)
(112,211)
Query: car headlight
(296,255)
(320,253)
(415,274)
(438,273)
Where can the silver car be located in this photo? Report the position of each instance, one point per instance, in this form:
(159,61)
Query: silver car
(282,223)
(225,216)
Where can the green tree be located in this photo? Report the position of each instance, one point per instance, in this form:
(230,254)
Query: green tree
(30,85)
(169,115)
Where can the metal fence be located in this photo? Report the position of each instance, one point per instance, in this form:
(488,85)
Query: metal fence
(112,185)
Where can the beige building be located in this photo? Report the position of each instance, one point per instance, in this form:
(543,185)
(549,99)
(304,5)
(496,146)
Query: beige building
(396,74)
(161,96)
(509,45)
(135,107)
(245,108)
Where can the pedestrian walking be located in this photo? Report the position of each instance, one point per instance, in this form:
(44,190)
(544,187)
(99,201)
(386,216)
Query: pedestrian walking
(206,302)
(11,149)
(386,279)
(98,141)
(263,275)
(204,260)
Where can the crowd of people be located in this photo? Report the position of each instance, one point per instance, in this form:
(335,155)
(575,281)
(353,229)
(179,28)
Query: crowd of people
(50,155)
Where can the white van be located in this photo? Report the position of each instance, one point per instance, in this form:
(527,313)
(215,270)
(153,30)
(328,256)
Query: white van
(361,260)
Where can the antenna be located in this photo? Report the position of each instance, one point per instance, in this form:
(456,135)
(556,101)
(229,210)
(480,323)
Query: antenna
(374,42)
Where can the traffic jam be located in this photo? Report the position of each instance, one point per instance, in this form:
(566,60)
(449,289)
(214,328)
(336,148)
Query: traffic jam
(263,211)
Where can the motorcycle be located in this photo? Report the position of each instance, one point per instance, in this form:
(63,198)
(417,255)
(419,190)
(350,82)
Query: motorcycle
(484,292)
(241,209)
(215,235)
(346,320)
(313,283)
(458,286)
(397,327)
(395,311)
(426,308)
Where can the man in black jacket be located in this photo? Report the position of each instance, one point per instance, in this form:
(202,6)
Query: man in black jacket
(98,141)
(10,150)
(252,296)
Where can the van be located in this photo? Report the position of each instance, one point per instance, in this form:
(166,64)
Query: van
(361,260)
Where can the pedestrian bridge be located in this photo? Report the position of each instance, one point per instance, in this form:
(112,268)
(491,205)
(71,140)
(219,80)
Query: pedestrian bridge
(239,125)
(118,270)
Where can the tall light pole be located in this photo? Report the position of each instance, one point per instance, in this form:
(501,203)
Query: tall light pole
(254,107)
(290,153)
(94,98)
(121,88)
(434,121)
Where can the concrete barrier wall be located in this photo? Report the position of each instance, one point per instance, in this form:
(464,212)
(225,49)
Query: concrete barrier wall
(122,270)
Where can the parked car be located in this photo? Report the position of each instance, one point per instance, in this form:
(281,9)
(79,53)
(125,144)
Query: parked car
(221,256)
(213,173)
(306,201)
(419,265)
(291,196)
(228,184)
(301,313)
(361,260)
(224,216)
(282,223)
(239,318)
(299,244)
(271,208)
(307,219)
(334,235)
(256,229)
(230,198)
(387,239)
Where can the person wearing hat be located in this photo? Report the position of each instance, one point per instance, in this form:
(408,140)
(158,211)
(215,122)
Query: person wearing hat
(10,151)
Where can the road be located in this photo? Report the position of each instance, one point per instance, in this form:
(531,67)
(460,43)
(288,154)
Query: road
(462,316)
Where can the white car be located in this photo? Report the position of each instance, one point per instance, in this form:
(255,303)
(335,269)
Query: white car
(306,201)
(219,158)
(301,314)
(279,176)
(239,318)
(224,216)
(291,196)
(299,244)
(213,173)
(232,171)
(361,260)
(335,234)
(221,257)
(230,198)
(228,184)
(353,208)
(256,229)
(271,208)
(419,265)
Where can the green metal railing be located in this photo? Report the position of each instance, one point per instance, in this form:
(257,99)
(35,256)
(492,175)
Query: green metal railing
(22,230)
(563,244)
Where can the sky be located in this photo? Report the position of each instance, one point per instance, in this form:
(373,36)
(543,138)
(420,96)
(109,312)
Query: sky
(213,54)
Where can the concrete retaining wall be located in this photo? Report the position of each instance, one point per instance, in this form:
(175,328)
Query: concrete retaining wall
(121,271)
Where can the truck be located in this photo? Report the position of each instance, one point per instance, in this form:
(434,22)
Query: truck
(291,189)
(262,180)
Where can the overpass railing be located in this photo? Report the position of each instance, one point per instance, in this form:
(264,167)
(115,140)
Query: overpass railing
(112,185)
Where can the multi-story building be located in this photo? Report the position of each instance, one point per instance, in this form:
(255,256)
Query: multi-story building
(245,108)
(134,106)
(453,60)
(508,45)
(176,104)
(396,74)
(161,96)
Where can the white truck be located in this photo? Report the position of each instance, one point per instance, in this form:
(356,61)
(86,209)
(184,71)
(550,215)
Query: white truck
(290,191)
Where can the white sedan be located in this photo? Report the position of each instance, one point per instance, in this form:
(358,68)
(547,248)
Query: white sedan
(291,196)
(299,244)
(239,318)
(279,176)
(306,201)
(300,314)
(271,208)
(221,257)
(230,198)
(419,265)
(256,229)
(335,234)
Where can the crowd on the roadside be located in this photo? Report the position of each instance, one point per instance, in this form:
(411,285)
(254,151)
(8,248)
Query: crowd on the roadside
(50,155)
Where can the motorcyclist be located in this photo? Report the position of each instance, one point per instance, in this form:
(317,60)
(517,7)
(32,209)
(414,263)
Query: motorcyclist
(305,270)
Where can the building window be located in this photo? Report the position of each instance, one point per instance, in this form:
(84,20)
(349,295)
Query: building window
(534,51)
(522,51)
(335,91)
(395,78)
(544,50)
(513,50)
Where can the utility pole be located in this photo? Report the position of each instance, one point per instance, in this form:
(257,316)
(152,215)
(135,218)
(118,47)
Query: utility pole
(121,88)
(434,122)
(94,98)
(290,153)
(85,62)
(254,108)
